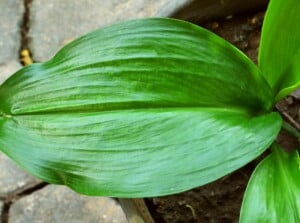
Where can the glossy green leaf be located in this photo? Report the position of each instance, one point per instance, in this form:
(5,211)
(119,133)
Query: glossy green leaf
(273,192)
(280,43)
(292,78)
(143,108)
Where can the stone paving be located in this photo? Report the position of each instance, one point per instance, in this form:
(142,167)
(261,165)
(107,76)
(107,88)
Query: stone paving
(11,13)
(79,17)
(12,185)
(42,27)
(56,204)
(1,205)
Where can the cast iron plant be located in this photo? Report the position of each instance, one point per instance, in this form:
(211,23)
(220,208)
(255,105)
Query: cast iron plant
(158,106)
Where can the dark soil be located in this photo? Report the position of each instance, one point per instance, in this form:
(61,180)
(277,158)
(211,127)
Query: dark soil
(220,201)
(213,203)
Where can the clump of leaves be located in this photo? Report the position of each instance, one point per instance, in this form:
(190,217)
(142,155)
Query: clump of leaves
(157,106)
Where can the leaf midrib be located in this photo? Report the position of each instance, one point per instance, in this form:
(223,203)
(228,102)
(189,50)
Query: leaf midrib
(168,108)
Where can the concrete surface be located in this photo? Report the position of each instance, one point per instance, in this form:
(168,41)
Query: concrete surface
(12,178)
(1,206)
(55,23)
(11,13)
(56,204)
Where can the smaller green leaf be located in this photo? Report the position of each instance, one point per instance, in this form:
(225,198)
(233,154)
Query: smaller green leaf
(292,78)
(273,192)
(280,42)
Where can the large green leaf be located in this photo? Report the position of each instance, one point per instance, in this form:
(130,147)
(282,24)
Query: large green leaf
(273,193)
(280,43)
(143,108)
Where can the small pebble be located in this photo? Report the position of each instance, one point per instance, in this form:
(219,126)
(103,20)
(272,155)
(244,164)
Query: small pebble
(25,57)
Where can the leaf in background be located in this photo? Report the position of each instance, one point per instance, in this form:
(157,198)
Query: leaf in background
(280,43)
(143,108)
(292,78)
(273,192)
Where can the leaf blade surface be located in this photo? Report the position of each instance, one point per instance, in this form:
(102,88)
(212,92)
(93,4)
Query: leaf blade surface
(144,108)
(280,42)
(273,192)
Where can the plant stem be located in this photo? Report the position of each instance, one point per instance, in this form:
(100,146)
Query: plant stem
(293,131)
